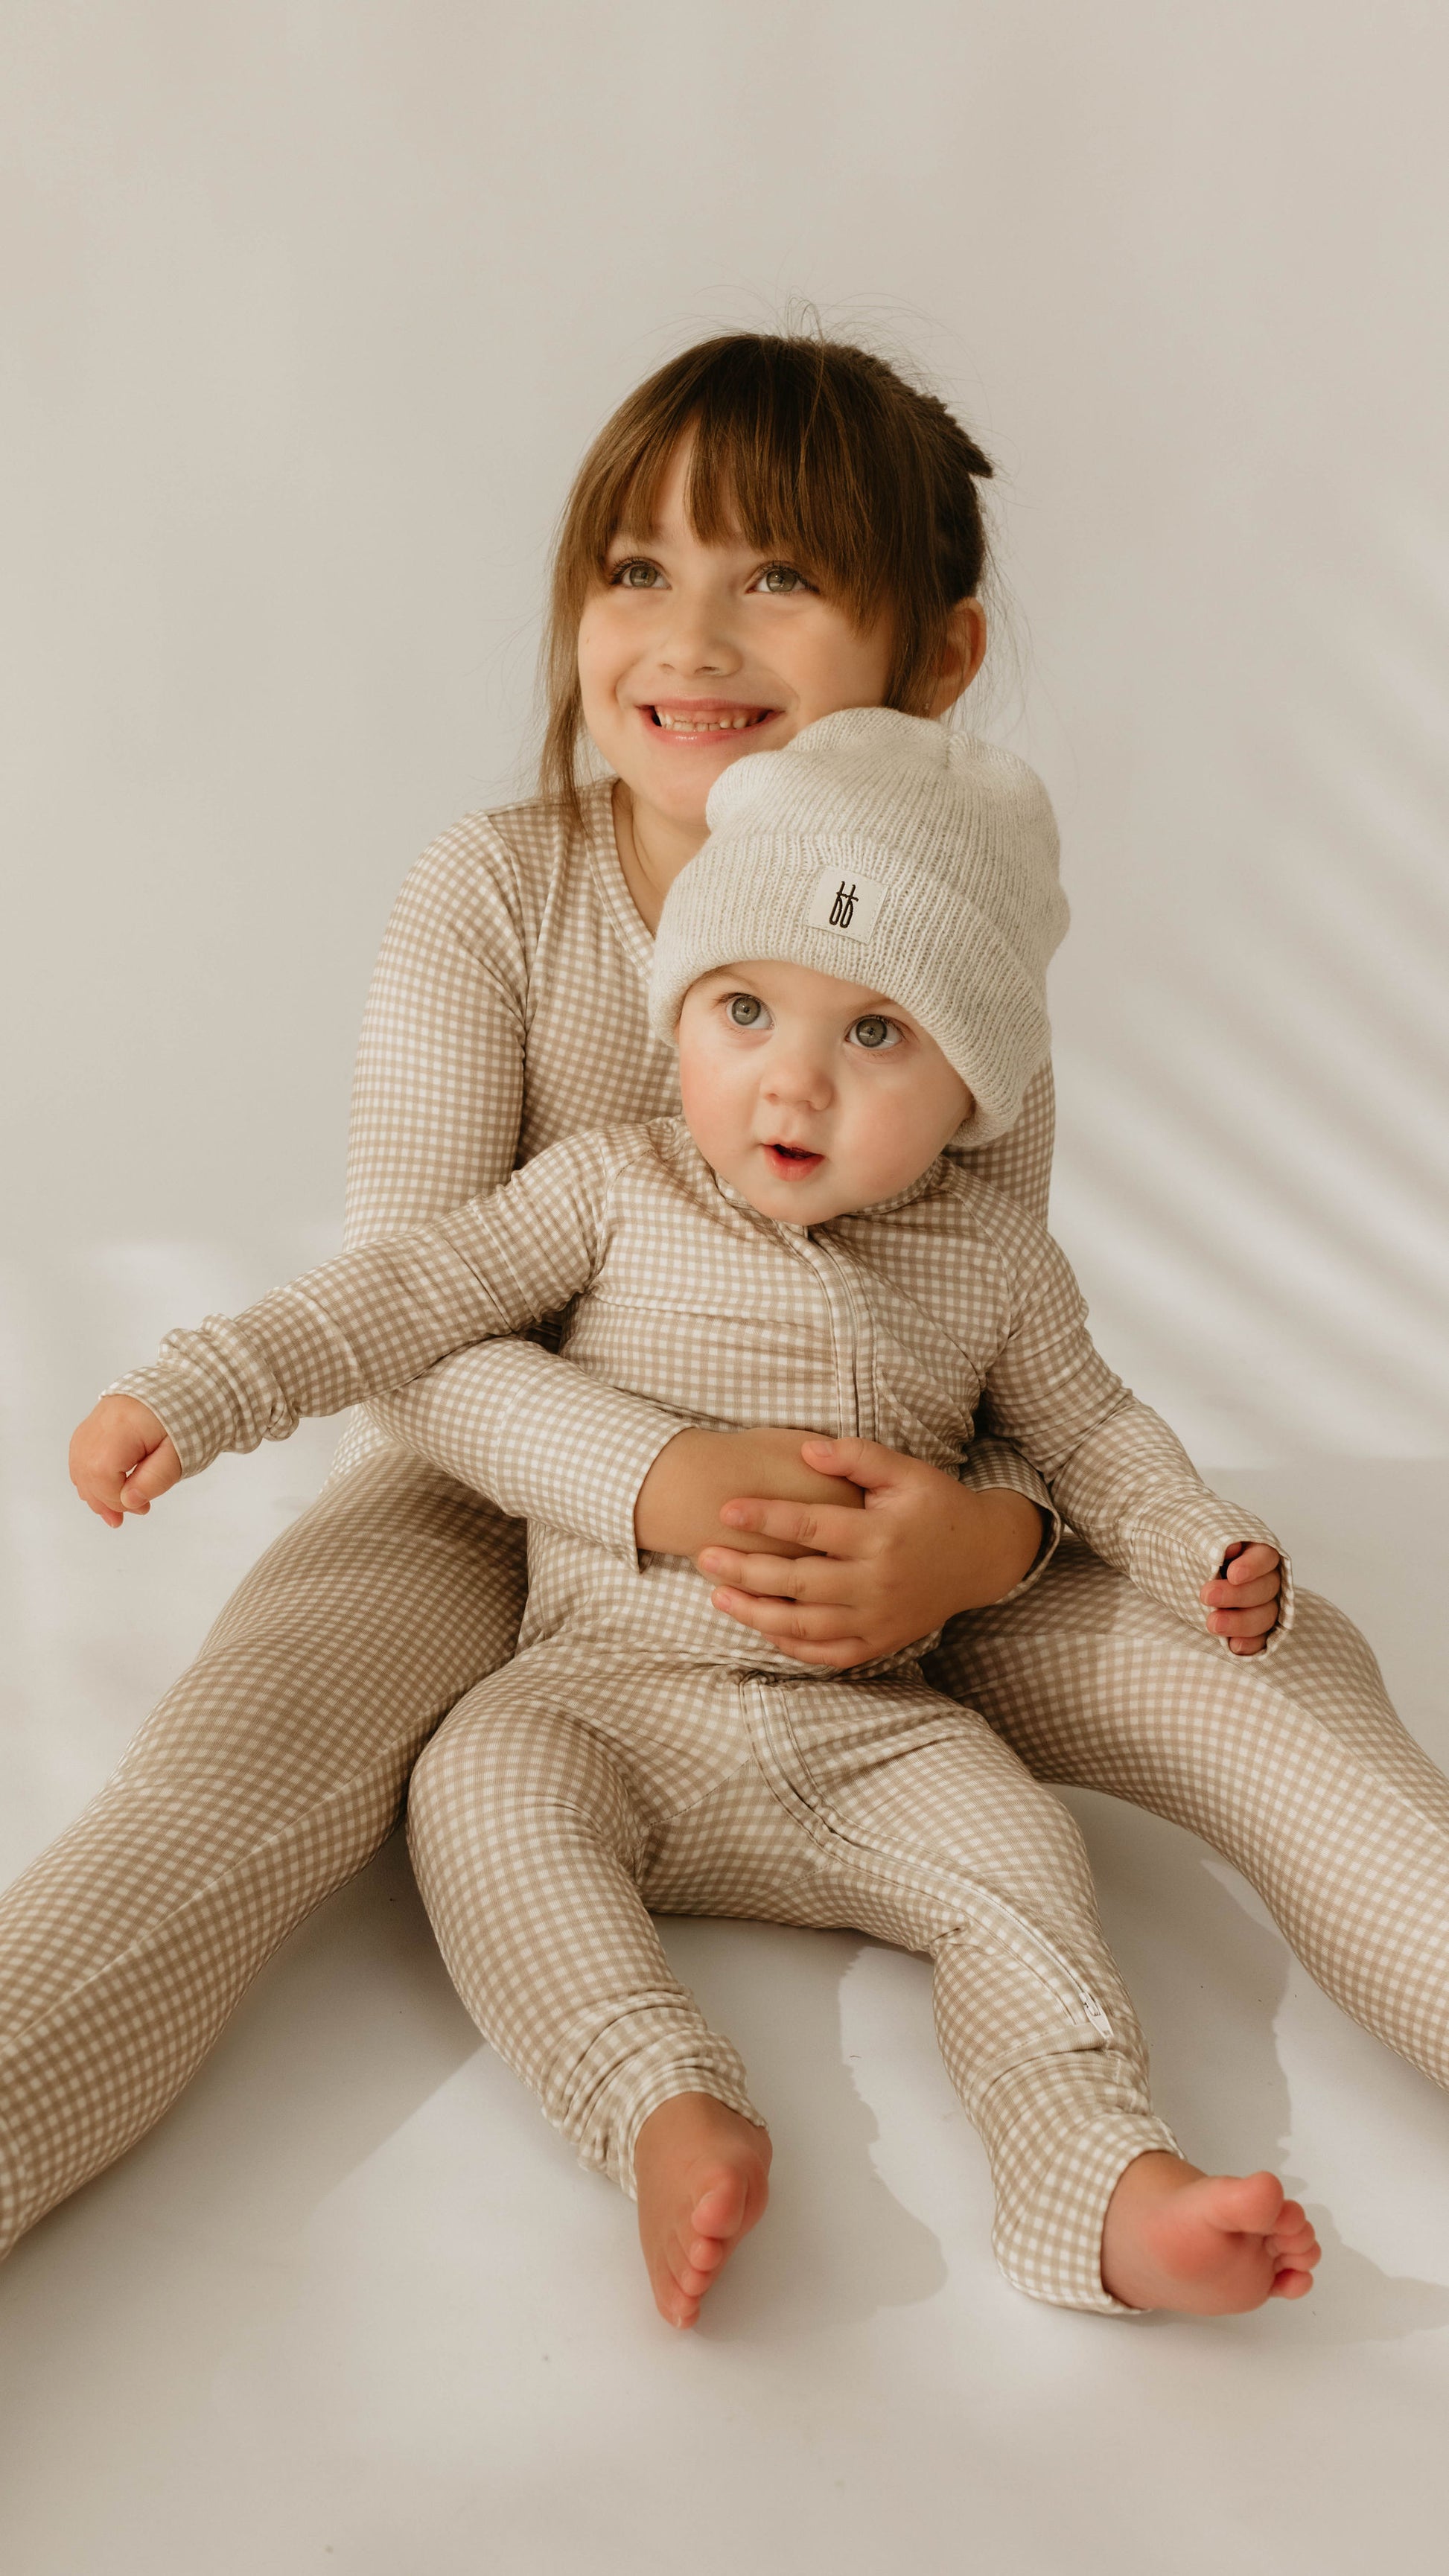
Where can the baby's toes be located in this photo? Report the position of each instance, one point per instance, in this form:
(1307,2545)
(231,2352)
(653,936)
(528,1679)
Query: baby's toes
(690,2257)
(1293,2237)
(676,2305)
(689,2280)
(1291,2284)
(1302,2258)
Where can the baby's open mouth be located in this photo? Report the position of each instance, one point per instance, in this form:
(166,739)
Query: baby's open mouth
(792,1162)
(709,720)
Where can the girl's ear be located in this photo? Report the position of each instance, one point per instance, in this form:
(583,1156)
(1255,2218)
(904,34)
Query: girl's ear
(961,654)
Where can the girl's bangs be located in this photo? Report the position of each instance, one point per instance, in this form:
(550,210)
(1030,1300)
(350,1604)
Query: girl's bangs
(771,463)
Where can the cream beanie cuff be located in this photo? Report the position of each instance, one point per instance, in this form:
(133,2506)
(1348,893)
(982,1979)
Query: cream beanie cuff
(879,848)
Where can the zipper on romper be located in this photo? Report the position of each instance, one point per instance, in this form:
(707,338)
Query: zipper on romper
(854,1383)
(1068,1974)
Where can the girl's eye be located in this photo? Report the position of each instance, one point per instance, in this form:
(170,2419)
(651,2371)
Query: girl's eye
(636,574)
(780,581)
(875,1033)
(746,1010)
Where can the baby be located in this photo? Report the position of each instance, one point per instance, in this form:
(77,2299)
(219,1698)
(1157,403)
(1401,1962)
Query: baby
(854,969)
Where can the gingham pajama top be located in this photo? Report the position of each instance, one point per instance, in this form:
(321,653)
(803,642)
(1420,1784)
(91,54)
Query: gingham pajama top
(508,1010)
(891,1325)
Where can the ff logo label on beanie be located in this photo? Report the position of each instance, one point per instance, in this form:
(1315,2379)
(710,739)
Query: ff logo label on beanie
(842,901)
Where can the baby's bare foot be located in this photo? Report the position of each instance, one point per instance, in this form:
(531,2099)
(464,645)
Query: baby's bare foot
(700,2173)
(1210,2244)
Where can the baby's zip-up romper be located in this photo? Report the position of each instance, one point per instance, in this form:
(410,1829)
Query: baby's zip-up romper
(638,1753)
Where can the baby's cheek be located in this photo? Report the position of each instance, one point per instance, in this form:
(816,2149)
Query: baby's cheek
(718,1118)
(886,1146)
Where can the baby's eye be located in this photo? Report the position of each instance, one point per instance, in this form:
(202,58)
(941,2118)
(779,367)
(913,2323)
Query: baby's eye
(780,581)
(875,1032)
(746,1010)
(637,574)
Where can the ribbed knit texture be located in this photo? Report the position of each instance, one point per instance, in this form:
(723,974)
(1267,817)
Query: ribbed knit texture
(944,851)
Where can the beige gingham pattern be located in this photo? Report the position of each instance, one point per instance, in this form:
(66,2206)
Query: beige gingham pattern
(1293,1765)
(889,1326)
(507,1011)
(542,1824)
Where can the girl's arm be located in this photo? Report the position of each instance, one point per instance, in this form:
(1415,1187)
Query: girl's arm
(437,1106)
(1019,1164)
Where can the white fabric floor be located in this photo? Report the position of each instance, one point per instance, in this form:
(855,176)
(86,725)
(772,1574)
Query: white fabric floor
(354,2307)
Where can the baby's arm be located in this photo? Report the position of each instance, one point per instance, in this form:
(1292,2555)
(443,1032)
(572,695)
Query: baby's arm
(369,1320)
(1122,1478)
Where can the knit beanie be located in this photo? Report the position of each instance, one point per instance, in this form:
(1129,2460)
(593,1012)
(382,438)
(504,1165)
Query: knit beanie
(881,848)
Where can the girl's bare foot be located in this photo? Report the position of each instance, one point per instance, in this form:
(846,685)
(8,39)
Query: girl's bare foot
(1210,2244)
(700,2174)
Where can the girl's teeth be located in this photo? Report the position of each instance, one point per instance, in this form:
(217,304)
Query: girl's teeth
(702,724)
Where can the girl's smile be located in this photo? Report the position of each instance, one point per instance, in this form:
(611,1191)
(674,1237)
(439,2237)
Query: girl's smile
(692,655)
(689,723)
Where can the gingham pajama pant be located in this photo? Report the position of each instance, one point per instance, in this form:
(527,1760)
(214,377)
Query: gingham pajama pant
(541,1828)
(279,1763)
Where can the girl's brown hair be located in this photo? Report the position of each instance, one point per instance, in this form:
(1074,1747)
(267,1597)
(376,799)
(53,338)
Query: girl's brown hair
(806,446)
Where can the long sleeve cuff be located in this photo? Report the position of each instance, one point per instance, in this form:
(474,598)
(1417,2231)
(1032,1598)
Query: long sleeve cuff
(1173,1552)
(993,1466)
(210,1392)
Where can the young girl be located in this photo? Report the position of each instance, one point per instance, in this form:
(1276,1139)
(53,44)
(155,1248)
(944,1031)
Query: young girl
(767,531)
(854,970)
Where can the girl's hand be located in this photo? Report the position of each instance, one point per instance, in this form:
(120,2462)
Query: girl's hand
(1242,1604)
(121,1459)
(876,1579)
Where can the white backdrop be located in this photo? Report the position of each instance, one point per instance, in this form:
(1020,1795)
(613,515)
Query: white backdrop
(315,307)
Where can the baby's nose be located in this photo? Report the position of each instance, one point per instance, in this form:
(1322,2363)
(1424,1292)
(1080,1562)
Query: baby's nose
(799,1078)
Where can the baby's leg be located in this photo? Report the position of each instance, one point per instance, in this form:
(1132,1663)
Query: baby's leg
(951,1847)
(527,1833)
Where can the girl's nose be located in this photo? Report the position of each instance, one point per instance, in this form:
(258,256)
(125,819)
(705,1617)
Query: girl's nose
(697,639)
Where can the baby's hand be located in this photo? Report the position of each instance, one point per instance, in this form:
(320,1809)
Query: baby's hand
(1242,1605)
(121,1459)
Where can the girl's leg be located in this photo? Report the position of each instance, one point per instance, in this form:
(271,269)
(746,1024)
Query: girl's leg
(528,1834)
(1292,1764)
(266,1777)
